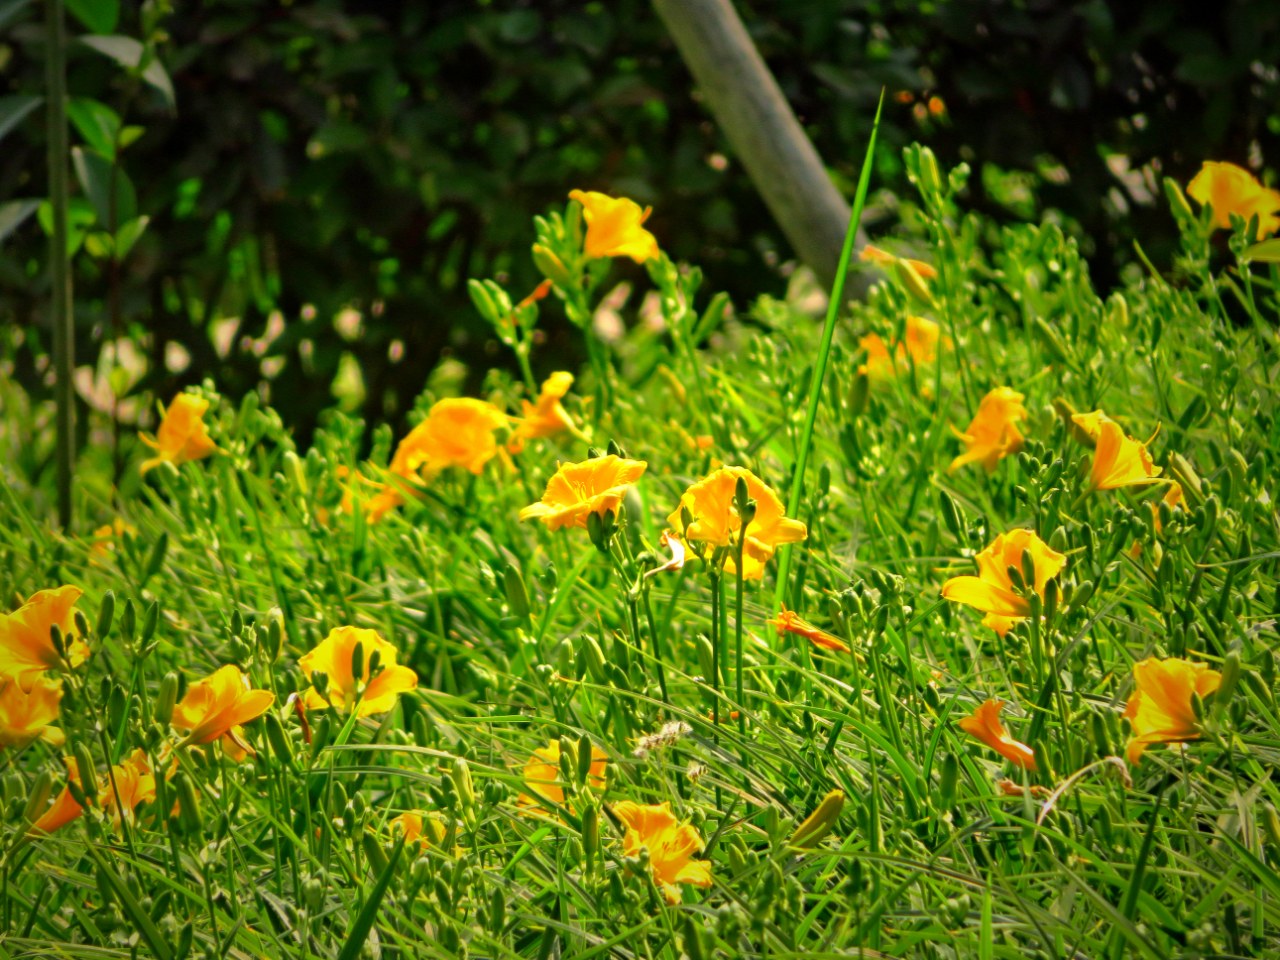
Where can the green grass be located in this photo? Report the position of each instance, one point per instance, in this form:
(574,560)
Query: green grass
(520,636)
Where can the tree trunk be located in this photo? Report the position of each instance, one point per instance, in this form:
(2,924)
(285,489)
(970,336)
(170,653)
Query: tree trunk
(746,102)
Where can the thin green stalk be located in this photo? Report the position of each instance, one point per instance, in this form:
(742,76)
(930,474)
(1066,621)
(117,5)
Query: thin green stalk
(824,353)
(60,306)
(737,629)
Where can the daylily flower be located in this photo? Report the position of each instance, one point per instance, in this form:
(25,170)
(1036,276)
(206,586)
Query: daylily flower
(419,828)
(671,846)
(334,657)
(615,227)
(1118,459)
(27,715)
(993,433)
(882,258)
(105,538)
(919,343)
(542,773)
(26,643)
(715,521)
(1231,189)
(787,621)
(578,490)
(182,435)
(129,785)
(546,416)
(992,591)
(457,432)
(216,707)
(1160,709)
(986,726)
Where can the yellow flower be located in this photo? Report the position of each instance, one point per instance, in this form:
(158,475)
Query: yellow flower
(419,828)
(882,258)
(788,621)
(27,715)
(614,227)
(547,416)
(993,433)
(1118,459)
(715,521)
(182,435)
(334,656)
(986,726)
(671,846)
(578,490)
(992,592)
(216,707)
(26,646)
(105,537)
(457,432)
(920,344)
(542,773)
(1231,189)
(129,785)
(1160,709)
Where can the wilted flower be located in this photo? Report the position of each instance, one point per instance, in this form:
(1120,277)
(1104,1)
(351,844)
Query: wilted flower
(788,621)
(376,690)
(986,726)
(128,785)
(542,773)
(182,435)
(1231,189)
(1118,459)
(615,227)
(27,715)
(671,846)
(882,258)
(26,640)
(546,416)
(992,591)
(920,344)
(669,733)
(1161,709)
(216,707)
(714,521)
(672,543)
(993,433)
(578,490)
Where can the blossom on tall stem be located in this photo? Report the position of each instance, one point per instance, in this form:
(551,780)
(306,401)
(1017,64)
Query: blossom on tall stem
(1162,707)
(993,433)
(615,227)
(217,707)
(26,636)
(578,490)
(1118,459)
(28,715)
(1230,189)
(985,724)
(381,679)
(671,846)
(182,434)
(992,590)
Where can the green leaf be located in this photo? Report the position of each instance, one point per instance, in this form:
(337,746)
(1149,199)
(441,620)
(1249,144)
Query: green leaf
(98,176)
(80,217)
(128,235)
(129,903)
(13,214)
(14,109)
(97,123)
(1268,251)
(9,9)
(129,53)
(99,16)
(359,931)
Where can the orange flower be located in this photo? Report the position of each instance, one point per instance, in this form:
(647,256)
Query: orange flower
(547,416)
(671,846)
(578,490)
(614,227)
(1160,709)
(26,643)
(788,621)
(992,591)
(986,726)
(993,433)
(1231,189)
(216,707)
(542,773)
(128,785)
(1118,459)
(182,435)
(715,521)
(419,829)
(457,432)
(334,657)
(920,344)
(27,715)
(882,258)
(105,537)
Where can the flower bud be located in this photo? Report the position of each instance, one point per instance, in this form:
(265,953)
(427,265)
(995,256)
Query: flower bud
(278,739)
(106,613)
(461,774)
(38,796)
(590,834)
(819,823)
(550,266)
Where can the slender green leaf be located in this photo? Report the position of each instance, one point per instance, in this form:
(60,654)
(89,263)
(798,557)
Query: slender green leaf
(129,53)
(14,109)
(1268,251)
(13,214)
(99,16)
(100,179)
(97,123)
(359,931)
(141,920)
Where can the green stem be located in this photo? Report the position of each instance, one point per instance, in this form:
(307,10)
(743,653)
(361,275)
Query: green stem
(59,259)
(824,352)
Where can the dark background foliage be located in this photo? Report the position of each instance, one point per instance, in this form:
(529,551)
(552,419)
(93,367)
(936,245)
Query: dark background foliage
(374,155)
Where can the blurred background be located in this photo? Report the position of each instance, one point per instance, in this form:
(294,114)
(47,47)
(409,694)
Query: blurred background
(290,196)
